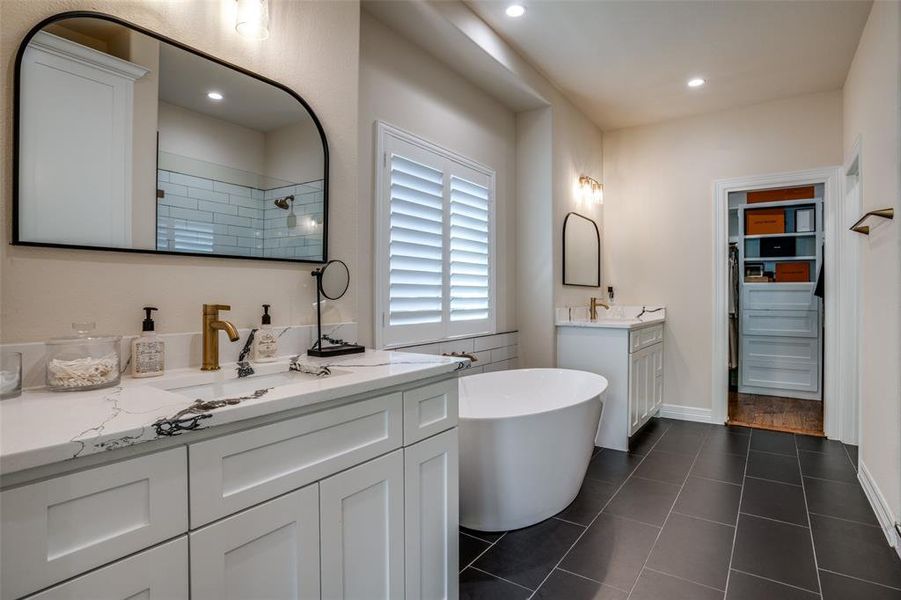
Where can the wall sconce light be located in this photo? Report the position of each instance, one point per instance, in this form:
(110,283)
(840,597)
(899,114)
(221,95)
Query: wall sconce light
(252,18)
(592,190)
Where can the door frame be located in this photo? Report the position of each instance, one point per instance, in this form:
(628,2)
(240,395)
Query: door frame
(833,179)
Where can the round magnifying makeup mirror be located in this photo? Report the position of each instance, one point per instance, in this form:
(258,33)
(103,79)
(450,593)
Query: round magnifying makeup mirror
(332,281)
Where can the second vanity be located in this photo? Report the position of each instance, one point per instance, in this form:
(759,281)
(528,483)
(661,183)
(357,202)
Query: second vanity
(625,345)
(292,486)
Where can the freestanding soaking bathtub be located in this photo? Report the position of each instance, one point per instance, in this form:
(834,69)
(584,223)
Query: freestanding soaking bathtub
(526,436)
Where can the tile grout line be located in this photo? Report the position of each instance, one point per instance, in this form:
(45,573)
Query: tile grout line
(741,496)
(607,503)
(490,546)
(682,514)
(819,514)
(669,513)
(848,454)
(747,514)
(779,582)
(813,546)
(574,574)
(888,587)
(502,579)
(679,577)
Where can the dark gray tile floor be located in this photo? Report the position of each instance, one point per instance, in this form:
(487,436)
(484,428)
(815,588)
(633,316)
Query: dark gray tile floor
(695,512)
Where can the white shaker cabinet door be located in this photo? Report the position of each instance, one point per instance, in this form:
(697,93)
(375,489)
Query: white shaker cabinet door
(270,551)
(432,517)
(362,512)
(160,573)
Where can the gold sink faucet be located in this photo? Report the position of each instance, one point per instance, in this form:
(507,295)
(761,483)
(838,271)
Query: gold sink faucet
(211,327)
(593,308)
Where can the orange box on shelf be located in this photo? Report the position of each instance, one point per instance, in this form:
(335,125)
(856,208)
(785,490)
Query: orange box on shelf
(760,221)
(794,272)
(782,194)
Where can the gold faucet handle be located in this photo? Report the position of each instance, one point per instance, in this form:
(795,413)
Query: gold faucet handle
(215,308)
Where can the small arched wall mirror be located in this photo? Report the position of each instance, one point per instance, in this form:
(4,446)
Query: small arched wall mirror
(581,251)
(129,141)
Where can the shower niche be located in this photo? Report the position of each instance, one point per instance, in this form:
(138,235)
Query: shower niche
(127,140)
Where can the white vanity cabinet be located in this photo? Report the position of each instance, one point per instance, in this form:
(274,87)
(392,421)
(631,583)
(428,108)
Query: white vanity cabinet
(329,504)
(630,355)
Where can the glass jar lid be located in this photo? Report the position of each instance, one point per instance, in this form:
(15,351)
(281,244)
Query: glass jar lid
(84,332)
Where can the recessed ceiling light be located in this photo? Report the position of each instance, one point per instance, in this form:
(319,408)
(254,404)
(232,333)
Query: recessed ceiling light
(696,82)
(214,96)
(516,10)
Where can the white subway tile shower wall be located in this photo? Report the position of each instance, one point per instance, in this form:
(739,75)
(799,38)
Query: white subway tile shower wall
(206,216)
(281,241)
(496,352)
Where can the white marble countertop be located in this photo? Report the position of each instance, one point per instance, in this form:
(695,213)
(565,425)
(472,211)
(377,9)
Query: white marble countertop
(42,427)
(618,317)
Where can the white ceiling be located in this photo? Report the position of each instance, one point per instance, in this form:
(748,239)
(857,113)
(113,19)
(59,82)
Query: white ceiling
(185,79)
(626,63)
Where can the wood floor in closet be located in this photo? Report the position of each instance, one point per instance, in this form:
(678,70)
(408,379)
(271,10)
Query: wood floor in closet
(776,413)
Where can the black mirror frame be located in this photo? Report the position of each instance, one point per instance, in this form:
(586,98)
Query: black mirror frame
(14,239)
(563,241)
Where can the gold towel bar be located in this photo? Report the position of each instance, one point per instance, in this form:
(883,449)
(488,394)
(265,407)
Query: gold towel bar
(885,213)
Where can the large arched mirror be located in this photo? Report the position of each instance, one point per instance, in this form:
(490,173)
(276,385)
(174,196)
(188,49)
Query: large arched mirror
(126,140)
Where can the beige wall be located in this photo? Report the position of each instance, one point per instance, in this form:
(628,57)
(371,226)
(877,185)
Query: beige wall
(872,115)
(294,152)
(405,87)
(578,150)
(658,212)
(313,49)
(185,132)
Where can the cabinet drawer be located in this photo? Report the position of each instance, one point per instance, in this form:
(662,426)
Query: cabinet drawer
(58,528)
(799,377)
(776,349)
(642,338)
(792,323)
(784,296)
(160,573)
(429,410)
(239,470)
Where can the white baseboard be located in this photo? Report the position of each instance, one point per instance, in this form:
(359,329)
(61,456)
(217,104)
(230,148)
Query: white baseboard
(686,413)
(883,511)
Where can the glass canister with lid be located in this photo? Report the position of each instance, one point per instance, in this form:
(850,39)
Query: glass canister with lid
(85,361)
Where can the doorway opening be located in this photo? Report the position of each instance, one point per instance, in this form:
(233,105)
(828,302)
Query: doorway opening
(776,255)
(776,313)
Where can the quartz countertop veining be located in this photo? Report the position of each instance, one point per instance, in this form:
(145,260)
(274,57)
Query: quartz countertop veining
(41,427)
(615,317)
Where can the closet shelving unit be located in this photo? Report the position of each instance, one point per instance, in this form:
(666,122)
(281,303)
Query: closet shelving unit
(780,325)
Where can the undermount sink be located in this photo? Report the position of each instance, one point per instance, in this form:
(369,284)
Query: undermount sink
(237,387)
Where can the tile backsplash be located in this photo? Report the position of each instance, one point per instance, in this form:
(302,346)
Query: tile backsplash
(495,352)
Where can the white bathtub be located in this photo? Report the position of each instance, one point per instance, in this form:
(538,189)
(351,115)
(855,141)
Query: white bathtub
(526,437)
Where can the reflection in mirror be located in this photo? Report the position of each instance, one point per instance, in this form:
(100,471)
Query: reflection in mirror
(581,251)
(129,142)
(334,280)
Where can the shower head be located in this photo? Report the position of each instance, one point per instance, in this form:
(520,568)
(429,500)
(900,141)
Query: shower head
(284,203)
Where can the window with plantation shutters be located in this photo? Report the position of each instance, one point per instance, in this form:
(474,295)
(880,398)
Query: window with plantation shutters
(434,242)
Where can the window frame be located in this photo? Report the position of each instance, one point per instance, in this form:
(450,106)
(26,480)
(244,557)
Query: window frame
(384,133)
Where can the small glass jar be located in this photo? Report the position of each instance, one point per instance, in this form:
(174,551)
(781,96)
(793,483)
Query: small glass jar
(84,361)
(10,375)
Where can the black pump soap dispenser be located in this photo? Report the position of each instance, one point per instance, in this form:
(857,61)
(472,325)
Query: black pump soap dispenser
(148,352)
(265,342)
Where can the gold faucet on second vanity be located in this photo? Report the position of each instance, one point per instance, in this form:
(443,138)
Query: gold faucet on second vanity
(211,326)
(593,308)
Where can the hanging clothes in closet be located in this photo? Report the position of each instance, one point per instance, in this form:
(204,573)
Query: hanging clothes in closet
(733,306)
